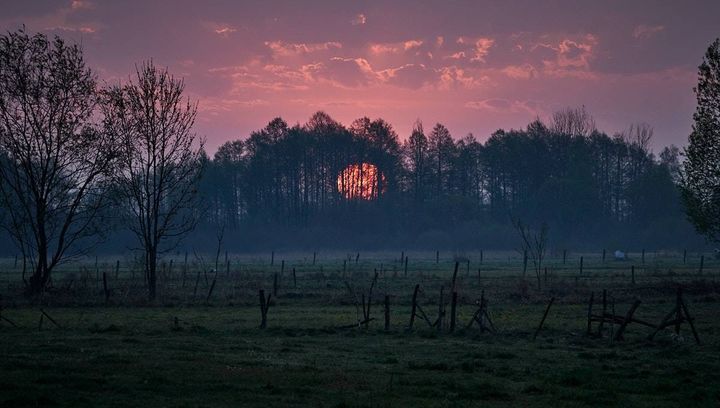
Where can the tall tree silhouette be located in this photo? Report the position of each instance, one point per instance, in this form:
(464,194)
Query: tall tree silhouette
(54,162)
(701,179)
(159,163)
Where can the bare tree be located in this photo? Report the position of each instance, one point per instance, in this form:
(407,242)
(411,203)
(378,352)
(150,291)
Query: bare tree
(639,135)
(573,122)
(160,160)
(54,163)
(534,243)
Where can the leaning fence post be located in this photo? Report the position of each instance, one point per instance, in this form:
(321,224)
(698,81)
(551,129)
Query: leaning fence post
(628,319)
(212,286)
(457,264)
(688,317)
(294,279)
(542,322)
(275,284)
(406,265)
(264,305)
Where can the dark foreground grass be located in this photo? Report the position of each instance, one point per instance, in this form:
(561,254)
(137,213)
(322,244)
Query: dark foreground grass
(216,356)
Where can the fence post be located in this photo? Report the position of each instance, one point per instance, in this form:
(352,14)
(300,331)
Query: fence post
(387,312)
(453,307)
(413,310)
(702,263)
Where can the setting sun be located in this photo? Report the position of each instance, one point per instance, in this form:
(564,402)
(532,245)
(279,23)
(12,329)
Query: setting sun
(361,181)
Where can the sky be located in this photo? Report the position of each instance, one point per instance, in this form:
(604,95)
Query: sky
(475,66)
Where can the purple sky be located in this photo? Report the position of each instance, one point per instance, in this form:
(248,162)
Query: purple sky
(474,66)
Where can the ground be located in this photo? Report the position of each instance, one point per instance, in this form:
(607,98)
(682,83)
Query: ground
(186,349)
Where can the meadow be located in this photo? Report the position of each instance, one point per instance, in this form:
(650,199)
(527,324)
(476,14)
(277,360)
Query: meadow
(95,340)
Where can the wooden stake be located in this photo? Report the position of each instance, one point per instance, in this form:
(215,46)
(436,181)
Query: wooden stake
(387,312)
(413,310)
(542,322)
(453,308)
(689,319)
(441,312)
(212,286)
(264,306)
(604,312)
(457,264)
(702,263)
(589,313)
(628,318)
(105,287)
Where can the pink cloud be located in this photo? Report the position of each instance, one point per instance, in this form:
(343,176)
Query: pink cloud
(643,31)
(359,19)
(500,105)
(524,71)
(284,49)
(394,48)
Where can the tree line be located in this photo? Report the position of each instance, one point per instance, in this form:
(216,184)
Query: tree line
(566,173)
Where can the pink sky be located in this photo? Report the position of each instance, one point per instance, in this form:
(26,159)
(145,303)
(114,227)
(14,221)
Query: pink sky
(474,66)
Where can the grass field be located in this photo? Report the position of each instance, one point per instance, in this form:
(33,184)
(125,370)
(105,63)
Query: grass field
(191,349)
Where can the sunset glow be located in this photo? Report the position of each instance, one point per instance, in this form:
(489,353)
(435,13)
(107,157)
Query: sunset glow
(361,181)
(474,66)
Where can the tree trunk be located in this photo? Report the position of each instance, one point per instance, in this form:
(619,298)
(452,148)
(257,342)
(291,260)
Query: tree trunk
(151,269)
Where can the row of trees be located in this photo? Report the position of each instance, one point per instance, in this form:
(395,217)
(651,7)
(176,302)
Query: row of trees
(74,158)
(565,173)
